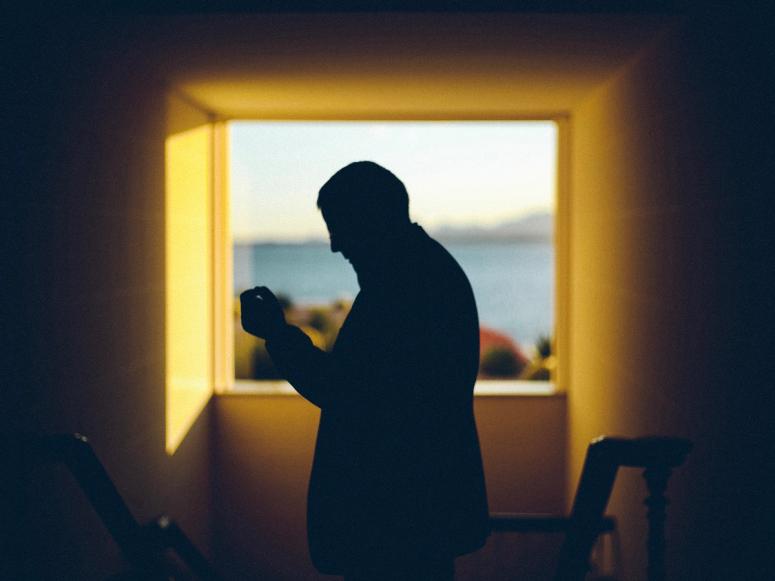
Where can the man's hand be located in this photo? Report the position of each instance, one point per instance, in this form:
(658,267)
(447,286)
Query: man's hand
(262,314)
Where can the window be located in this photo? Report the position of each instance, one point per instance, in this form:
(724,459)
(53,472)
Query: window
(486,190)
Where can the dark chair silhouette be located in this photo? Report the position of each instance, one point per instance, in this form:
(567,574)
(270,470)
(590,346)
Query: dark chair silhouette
(658,455)
(146,547)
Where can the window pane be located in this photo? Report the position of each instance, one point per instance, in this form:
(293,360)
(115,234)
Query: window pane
(486,190)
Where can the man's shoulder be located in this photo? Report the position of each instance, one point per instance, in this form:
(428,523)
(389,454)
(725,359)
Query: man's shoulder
(436,256)
(432,270)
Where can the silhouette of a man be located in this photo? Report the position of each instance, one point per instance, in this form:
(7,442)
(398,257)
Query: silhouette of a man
(397,488)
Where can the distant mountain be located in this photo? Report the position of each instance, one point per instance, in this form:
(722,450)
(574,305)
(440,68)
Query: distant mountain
(310,241)
(537,227)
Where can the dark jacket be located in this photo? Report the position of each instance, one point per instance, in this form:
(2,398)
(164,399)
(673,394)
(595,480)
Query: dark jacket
(397,468)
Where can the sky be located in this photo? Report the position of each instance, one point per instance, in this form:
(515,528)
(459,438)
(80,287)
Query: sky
(457,173)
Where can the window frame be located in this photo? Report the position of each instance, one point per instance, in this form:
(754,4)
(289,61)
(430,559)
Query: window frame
(223,333)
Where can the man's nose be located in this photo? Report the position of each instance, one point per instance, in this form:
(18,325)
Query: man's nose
(334,245)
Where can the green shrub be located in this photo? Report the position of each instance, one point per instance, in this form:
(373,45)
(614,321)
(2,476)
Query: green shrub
(319,320)
(536,371)
(500,362)
(285,301)
(544,346)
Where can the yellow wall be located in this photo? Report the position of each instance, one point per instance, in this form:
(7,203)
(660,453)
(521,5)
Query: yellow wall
(264,447)
(188,168)
(664,290)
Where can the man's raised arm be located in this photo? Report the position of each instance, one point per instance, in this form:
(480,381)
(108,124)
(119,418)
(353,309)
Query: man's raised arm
(305,366)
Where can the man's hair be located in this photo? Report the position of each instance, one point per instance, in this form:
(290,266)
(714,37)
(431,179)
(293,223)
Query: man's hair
(367,192)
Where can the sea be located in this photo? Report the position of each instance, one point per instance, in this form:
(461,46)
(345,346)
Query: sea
(513,282)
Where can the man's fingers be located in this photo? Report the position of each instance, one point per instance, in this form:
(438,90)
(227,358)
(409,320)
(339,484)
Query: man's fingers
(266,294)
(248,294)
(261,293)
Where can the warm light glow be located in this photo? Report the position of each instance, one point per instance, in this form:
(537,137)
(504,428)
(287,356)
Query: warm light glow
(188,241)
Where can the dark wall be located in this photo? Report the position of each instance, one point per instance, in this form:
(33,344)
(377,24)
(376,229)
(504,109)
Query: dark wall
(671,185)
(83,294)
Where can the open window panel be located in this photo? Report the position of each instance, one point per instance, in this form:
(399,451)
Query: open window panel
(487,190)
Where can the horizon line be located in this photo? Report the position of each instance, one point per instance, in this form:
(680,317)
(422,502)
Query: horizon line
(482,232)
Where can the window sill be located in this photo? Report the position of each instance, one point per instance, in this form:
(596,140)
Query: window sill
(484,388)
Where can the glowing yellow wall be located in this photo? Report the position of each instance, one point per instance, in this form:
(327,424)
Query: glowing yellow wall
(188,243)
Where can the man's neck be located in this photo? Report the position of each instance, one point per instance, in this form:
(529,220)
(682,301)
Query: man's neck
(387,253)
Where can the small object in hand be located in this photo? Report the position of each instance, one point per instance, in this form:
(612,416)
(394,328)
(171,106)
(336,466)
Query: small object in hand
(262,314)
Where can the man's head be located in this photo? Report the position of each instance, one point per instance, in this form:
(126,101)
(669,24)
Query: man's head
(362,203)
